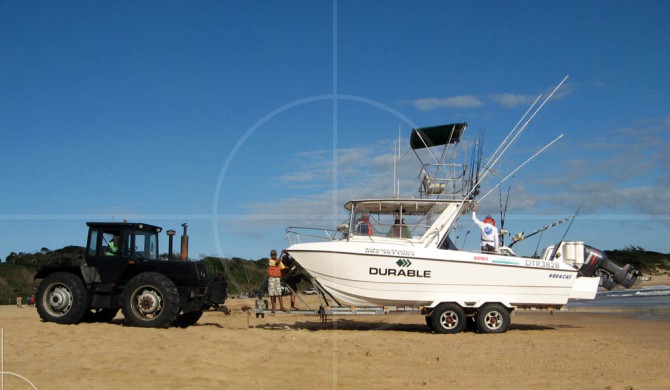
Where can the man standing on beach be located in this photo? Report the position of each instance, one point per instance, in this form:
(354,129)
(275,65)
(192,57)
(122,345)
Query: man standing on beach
(274,280)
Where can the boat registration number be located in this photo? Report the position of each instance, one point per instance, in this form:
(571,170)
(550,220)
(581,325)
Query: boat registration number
(542,264)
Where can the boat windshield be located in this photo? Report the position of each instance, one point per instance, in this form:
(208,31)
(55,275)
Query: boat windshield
(394,219)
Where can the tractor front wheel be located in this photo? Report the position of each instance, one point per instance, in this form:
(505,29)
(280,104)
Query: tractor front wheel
(62,298)
(150,300)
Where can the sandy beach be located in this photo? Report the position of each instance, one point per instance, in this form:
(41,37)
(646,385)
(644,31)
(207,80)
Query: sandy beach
(558,350)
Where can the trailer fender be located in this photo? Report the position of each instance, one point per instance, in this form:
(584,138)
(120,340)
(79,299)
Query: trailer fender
(469,306)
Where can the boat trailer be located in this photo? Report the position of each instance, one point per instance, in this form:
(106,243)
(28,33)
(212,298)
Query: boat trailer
(327,309)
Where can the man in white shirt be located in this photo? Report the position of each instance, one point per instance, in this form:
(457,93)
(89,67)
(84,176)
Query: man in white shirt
(489,231)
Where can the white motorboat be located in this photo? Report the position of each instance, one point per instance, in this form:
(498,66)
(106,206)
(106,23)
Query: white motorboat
(397,252)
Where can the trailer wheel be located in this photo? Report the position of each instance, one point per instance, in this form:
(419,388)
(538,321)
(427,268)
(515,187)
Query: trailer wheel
(492,318)
(62,298)
(150,300)
(184,320)
(448,318)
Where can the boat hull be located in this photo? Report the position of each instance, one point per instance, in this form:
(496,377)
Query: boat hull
(365,274)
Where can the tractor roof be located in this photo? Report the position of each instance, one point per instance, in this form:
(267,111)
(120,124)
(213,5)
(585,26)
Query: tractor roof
(128,225)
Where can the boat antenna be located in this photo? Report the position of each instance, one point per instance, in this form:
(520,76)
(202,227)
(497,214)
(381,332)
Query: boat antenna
(396,155)
(553,253)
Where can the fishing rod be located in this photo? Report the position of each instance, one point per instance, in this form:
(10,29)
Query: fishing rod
(513,129)
(465,238)
(503,213)
(522,165)
(477,163)
(474,186)
(537,246)
(493,160)
(520,237)
(553,253)
(491,164)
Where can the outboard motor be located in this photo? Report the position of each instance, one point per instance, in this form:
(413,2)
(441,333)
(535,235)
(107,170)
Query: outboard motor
(610,273)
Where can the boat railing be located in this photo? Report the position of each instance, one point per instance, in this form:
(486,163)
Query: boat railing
(299,234)
(448,181)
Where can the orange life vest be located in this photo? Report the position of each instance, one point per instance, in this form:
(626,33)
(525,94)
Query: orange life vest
(275,270)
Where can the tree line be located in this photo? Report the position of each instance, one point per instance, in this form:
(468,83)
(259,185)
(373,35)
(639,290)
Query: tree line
(244,276)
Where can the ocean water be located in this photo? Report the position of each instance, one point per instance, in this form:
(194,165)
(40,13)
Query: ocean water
(649,303)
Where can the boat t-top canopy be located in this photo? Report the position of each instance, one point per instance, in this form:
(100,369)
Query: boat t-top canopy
(427,137)
(443,174)
(395,205)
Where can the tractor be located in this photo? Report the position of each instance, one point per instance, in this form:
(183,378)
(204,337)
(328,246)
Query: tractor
(122,270)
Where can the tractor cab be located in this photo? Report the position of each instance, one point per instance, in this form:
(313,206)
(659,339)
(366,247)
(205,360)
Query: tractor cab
(137,241)
(112,246)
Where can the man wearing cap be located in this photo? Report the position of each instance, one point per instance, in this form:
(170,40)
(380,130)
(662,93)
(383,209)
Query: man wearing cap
(489,232)
(274,280)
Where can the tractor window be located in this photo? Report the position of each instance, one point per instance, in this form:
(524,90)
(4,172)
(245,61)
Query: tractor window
(93,243)
(128,246)
(111,243)
(146,245)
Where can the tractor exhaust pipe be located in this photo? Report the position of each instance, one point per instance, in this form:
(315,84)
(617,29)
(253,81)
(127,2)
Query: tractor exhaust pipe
(183,256)
(170,234)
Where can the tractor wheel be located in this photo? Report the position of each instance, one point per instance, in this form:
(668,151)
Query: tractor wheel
(62,298)
(492,318)
(448,318)
(150,300)
(184,320)
(100,315)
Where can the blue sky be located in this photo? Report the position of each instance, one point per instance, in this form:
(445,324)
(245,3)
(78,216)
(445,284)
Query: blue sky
(242,118)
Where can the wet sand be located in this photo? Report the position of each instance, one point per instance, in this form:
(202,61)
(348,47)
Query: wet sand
(289,351)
